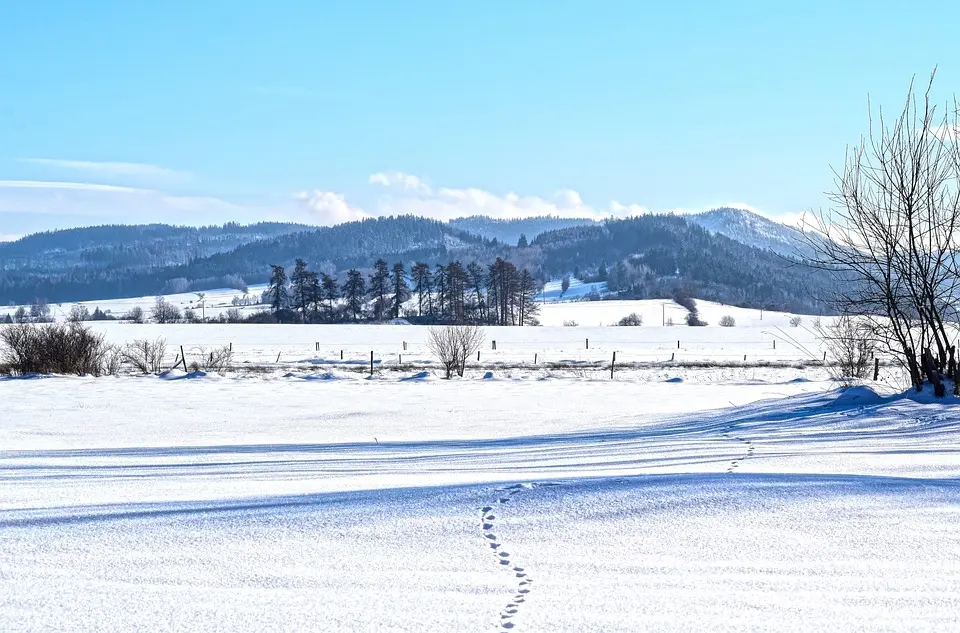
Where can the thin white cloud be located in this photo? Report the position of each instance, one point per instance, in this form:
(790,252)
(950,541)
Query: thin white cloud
(116,169)
(9,237)
(400,180)
(73,186)
(111,203)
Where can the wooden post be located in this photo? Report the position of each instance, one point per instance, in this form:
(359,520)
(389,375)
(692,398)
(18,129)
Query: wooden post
(231,346)
(399,359)
(371,362)
(774,343)
(744,358)
(478,356)
(678,344)
(588,343)
(404,346)
(183,357)
(824,357)
(341,354)
(876,368)
(494,345)
(612,364)
(673,356)
(278,356)
(318,346)
(534,358)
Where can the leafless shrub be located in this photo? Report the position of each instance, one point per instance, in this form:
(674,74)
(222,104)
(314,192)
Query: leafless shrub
(850,348)
(453,345)
(217,360)
(795,321)
(727,321)
(146,356)
(631,320)
(55,348)
(570,323)
(669,322)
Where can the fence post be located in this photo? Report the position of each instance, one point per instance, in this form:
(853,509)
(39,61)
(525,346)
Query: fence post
(183,357)
(876,368)
(404,346)
(612,364)
(588,343)
(371,362)
(399,359)
(824,357)
(317,346)
(774,343)
(478,356)
(678,344)
(744,358)
(494,345)
(534,358)
(278,356)
(341,354)
(231,346)
(673,356)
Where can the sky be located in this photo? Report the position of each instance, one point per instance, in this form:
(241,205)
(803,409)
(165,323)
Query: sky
(200,112)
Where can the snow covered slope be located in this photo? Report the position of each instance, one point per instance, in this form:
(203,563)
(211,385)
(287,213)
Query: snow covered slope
(753,230)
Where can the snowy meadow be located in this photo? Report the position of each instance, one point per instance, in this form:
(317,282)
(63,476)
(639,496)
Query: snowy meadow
(696,490)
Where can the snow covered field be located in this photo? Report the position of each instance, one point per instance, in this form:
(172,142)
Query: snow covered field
(284,504)
(696,491)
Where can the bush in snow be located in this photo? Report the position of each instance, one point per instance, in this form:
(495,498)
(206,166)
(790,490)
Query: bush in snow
(570,323)
(55,348)
(145,356)
(453,345)
(727,321)
(633,320)
(795,321)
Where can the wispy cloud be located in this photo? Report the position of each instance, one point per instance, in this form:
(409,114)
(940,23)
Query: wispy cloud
(116,203)
(116,169)
(400,180)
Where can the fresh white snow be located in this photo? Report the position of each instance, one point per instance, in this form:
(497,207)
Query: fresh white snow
(747,500)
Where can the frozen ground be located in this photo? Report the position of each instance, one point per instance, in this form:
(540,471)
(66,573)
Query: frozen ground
(291,504)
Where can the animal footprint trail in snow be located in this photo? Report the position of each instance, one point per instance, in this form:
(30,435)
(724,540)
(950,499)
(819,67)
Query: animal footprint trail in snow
(488,518)
(734,464)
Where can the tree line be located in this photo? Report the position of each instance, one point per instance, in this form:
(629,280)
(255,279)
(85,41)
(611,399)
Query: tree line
(452,293)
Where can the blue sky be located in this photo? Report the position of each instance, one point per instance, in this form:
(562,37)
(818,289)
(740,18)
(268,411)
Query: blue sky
(197,112)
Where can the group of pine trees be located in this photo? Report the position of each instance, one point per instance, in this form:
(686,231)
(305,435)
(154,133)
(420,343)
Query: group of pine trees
(498,294)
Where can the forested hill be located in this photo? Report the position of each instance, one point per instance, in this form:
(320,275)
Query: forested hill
(647,256)
(509,231)
(643,257)
(130,246)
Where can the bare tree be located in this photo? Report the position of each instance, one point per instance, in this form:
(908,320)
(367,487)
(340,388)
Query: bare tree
(165,312)
(453,345)
(891,237)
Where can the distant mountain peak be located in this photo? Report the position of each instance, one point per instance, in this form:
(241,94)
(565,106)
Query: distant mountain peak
(751,228)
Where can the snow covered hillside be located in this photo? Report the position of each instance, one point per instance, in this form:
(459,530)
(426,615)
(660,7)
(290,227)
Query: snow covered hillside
(222,504)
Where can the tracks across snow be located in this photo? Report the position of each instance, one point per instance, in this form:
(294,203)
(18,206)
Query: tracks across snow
(748,445)
(489,516)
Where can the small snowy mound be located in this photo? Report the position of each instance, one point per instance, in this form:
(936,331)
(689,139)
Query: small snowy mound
(859,394)
(177,374)
(488,375)
(420,375)
(675,379)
